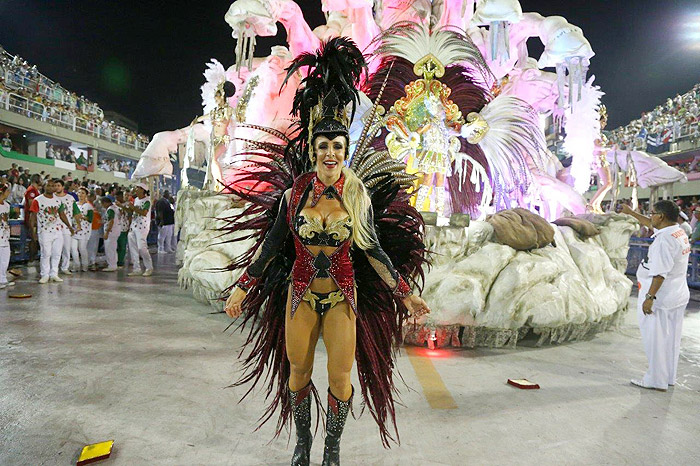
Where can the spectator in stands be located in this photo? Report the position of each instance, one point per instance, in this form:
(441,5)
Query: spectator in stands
(48,220)
(14,172)
(72,188)
(6,142)
(4,234)
(18,190)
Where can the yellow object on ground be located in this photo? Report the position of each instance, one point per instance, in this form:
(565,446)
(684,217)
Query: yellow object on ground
(95,452)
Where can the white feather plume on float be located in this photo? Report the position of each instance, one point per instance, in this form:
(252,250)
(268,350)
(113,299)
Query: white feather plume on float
(582,128)
(215,74)
(414,42)
(514,139)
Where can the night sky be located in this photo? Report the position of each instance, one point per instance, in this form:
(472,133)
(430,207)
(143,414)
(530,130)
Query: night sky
(145,59)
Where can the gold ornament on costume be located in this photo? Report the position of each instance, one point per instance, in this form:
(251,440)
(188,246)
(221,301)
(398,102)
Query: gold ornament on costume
(423,125)
(478,127)
(497,87)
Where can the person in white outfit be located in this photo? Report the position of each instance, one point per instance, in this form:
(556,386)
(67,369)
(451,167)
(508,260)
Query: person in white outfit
(138,233)
(664,287)
(47,221)
(112,232)
(4,234)
(69,202)
(82,214)
(683,222)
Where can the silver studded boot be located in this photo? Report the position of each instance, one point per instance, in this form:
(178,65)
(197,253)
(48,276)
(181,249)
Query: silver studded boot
(301,409)
(335,421)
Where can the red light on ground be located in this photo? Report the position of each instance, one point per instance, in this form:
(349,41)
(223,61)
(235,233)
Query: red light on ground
(430,353)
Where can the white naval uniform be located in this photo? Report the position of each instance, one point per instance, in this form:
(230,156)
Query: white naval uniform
(50,232)
(111,240)
(68,201)
(4,241)
(661,331)
(138,232)
(79,242)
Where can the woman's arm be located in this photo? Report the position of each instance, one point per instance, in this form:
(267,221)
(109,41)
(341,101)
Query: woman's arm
(381,263)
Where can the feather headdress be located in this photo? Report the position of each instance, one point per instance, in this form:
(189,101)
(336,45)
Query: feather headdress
(215,76)
(329,88)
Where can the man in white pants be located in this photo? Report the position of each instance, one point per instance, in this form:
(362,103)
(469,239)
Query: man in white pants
(47,221)
(138,233)
(663,295)
(165,217)
(112,232)
(4,234)
(67,200)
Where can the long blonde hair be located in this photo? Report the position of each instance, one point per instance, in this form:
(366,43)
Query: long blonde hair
(357,202)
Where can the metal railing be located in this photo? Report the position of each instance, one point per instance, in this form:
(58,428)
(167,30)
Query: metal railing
(638,252)
(38,111)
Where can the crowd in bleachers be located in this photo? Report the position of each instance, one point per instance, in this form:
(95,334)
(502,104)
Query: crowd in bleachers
(654,131)
(23,89)
(116,165)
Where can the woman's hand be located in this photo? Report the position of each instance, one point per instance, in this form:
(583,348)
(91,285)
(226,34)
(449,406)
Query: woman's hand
(233,303)
(416,305)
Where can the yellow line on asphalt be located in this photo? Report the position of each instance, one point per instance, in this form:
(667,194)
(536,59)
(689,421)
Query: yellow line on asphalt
(434,388)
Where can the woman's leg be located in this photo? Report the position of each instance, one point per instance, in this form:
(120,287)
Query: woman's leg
(83,250)
(339,338)
(74,254)
(301,334)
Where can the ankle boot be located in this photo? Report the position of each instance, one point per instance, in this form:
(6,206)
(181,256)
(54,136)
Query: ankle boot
(335,421)
(301,409)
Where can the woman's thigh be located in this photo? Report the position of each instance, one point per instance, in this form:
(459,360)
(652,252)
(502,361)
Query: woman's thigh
(301,334)
(339,337)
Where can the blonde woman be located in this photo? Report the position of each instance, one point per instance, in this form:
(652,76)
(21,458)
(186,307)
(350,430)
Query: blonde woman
(324,239)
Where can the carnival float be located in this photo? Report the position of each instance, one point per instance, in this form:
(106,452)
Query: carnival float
(453,94)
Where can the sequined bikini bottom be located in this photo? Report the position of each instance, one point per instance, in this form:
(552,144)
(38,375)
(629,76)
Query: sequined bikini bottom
(323,302)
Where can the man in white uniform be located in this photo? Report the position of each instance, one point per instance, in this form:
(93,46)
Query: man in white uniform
(112,232)
(663,295)
(47,221)
(69,202)
(4,234)
(138,233)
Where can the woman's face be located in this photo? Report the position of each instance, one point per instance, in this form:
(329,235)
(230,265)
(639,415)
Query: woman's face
(330,155)
(82,195)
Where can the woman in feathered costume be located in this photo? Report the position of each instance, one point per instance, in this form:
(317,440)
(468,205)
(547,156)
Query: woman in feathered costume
(337,253)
